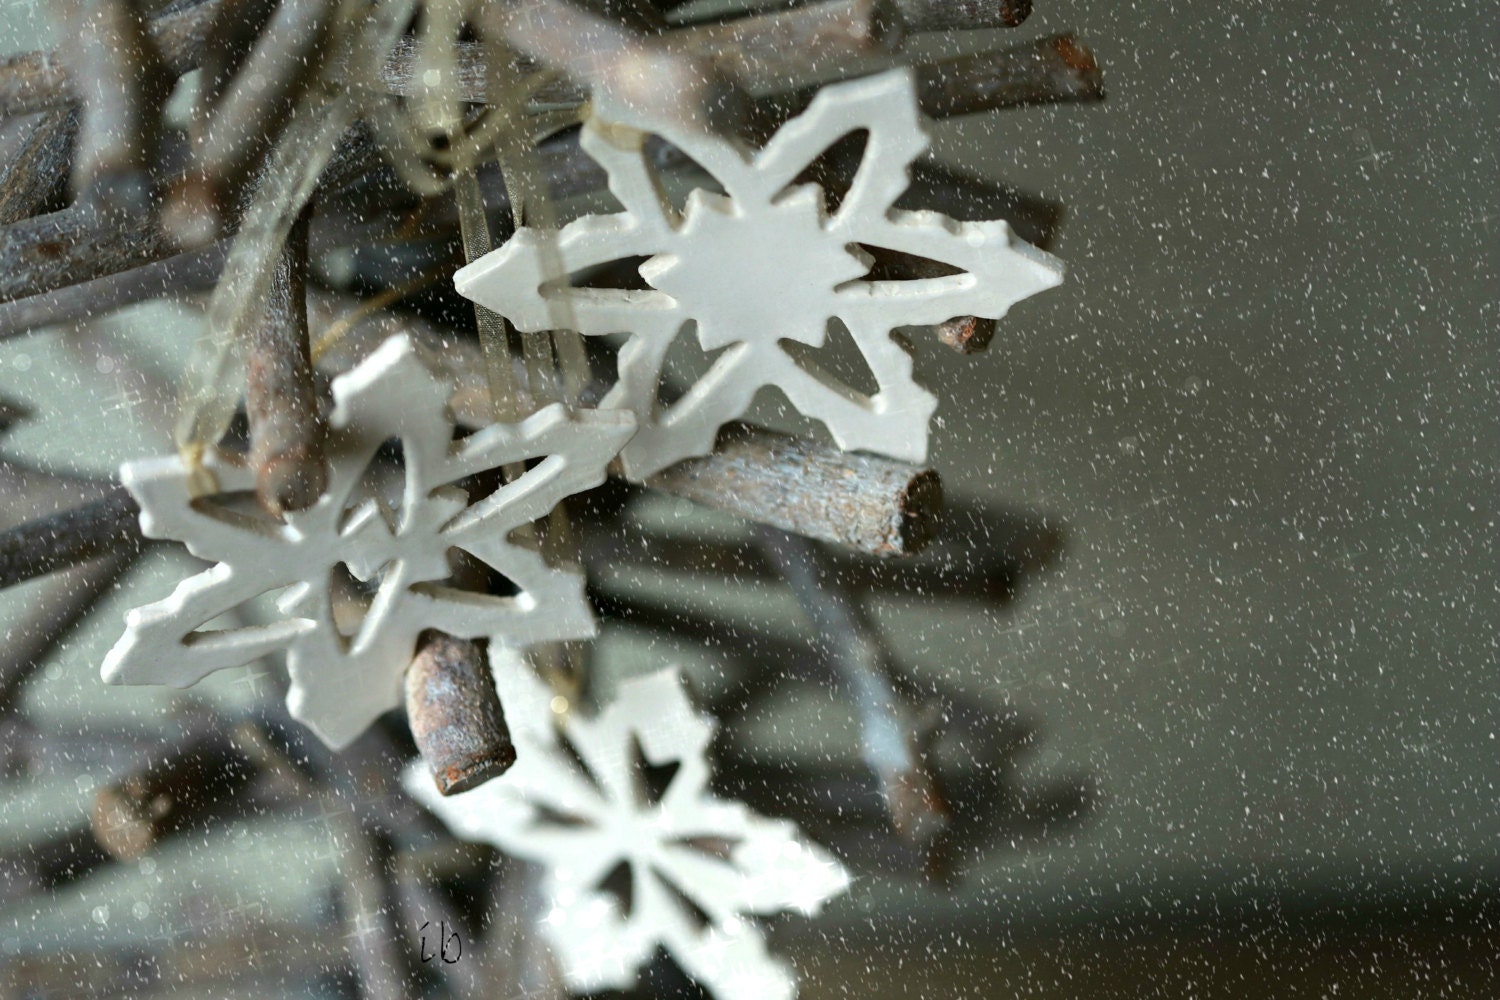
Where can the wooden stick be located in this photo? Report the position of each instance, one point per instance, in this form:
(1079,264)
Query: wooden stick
(122,84)
(872,504)
(286,427)
(455,714)
(777,44)
(962,15)
(640,70)
(181,788)
(42,867)
(68,538)
(366,910)
(50,618)
(1048,70)
(184,274)
(72,246)
(244,117)
(36,81)
(77,244)
(891,749)
(34,174)
(28,491)
(981,554)
(960,196)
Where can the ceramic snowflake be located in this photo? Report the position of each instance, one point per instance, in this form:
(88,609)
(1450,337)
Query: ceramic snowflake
(346,668)
(761,264)
(692,867)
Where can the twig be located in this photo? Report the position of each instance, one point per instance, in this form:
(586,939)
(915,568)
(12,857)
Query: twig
(424,905)
(871,504)
(68,538)
(197,270)
(246,113)
(940,188)
(78,244)
(52,616)
(34,174)
(75,245)
(642,71)
(121,82)
(35,81)
(963,15)
(43,867)
(366,909)
(513,947)
(455,715)
(917,807)
(286,428)
(28,492)
(981,553)
(1048,70)
(775,45)
(181,788)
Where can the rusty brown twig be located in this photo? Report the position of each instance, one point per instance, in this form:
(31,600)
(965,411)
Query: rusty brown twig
(51,618)
(366,903)
(455,714)
(981,554)
(868,503)
(194,271)
(74,245)
(44,866)
(1048,70)
(286,427)
(774,46)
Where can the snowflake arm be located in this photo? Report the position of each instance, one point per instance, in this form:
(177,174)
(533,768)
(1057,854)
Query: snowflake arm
(885,108)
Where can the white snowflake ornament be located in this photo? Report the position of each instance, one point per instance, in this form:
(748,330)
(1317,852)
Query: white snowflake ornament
(763,263)
(698,866)
(345,673)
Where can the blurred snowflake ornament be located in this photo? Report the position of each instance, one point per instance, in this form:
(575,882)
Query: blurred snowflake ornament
(346,672)
(763,263)
(578,800)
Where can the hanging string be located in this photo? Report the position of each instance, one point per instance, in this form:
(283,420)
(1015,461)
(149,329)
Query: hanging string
(214,378)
